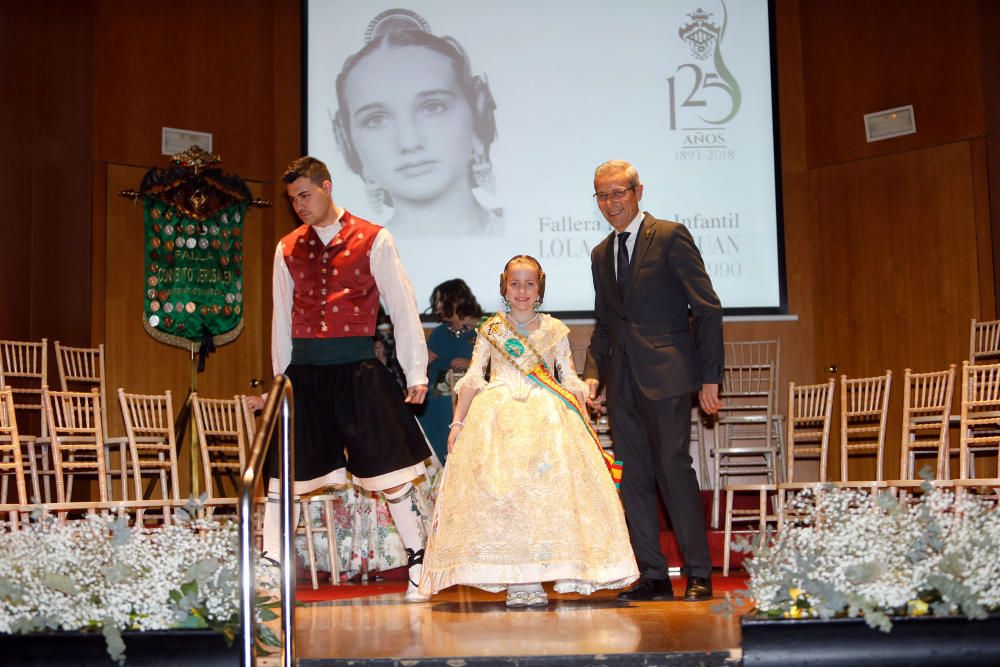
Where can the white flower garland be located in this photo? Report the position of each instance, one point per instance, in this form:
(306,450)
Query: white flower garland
(100,573)
(851,553)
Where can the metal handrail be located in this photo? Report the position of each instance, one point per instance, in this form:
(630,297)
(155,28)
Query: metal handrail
(281,393)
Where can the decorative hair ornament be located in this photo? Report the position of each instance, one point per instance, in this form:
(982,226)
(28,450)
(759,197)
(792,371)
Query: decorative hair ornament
(394,20)
(482,167)
(376,195)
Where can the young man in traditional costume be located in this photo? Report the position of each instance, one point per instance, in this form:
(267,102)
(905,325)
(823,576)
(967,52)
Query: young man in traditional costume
(329,275)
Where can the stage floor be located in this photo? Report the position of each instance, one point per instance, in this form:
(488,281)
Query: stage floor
(468,623)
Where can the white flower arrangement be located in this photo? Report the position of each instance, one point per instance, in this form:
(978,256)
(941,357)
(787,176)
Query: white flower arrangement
(851,553)
(99,573)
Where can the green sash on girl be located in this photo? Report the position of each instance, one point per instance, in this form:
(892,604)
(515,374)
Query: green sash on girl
(516,349)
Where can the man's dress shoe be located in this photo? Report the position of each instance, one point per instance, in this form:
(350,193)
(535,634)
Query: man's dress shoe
(648,590)
(698,588)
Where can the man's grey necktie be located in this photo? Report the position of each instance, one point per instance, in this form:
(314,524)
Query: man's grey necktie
(622,275)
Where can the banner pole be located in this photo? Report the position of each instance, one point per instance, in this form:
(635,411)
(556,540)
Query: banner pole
(195,458)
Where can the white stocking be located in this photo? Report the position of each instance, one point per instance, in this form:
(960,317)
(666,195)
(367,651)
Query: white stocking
(406,516)
(272,521)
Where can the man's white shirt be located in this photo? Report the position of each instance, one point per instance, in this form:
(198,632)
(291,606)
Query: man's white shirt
(396,293)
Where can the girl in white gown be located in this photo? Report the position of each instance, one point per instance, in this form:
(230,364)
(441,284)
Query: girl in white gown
(527,495)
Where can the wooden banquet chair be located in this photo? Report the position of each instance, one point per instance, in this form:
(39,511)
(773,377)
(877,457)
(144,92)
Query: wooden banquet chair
(149,429)
(83,369)
(979,429)
(984,349)
(249,418)
(24,370)
(766,497)
(810,411)
(986,488)
(745,441)
(926,420)
(221,428)
(250,429)
(927,401)
(810,416)
(699,445)
(11,461)
(984,342)
(74,424)
(864,409)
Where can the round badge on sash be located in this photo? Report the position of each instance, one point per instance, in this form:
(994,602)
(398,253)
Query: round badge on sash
(513,347)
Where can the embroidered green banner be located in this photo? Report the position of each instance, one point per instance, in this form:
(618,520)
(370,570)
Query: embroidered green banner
(194,274)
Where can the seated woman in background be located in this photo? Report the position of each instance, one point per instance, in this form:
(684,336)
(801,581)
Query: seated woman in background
(449,347)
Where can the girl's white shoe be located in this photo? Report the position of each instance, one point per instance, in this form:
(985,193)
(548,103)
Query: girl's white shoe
(412,593)
(527,598)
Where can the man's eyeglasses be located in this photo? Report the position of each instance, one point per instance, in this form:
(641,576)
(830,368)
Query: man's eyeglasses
(614,195)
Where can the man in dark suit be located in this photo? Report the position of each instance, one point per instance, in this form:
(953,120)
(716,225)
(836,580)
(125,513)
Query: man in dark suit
(649,280)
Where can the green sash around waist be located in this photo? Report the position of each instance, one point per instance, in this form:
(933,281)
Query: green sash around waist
(330,351)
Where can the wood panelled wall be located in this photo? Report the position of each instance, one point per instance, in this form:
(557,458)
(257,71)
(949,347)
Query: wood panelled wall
(862,56)
(889,246)
(206,66)
(989,28)
(903,224)
(45,165)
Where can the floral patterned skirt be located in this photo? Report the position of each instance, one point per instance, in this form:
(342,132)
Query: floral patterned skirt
(367,539)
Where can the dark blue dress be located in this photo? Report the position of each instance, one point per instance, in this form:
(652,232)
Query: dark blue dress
(437,414)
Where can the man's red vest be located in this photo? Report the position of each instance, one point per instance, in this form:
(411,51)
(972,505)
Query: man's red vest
(335,294)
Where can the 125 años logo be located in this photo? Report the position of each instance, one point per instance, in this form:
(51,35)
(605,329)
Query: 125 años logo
(697,85)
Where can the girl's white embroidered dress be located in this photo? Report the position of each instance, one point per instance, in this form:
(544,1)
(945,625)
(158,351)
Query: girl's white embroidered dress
(527,496)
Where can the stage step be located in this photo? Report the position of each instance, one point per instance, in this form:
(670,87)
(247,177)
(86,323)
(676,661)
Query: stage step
(693,659)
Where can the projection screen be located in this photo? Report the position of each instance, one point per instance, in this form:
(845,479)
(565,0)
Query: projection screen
(471,130)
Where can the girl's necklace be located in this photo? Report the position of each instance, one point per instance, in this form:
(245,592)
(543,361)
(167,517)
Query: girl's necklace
(522,327)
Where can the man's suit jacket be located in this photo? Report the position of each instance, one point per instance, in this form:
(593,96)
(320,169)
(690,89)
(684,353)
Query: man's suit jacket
(668,355)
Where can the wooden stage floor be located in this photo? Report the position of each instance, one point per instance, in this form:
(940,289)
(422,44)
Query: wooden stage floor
(468,623)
